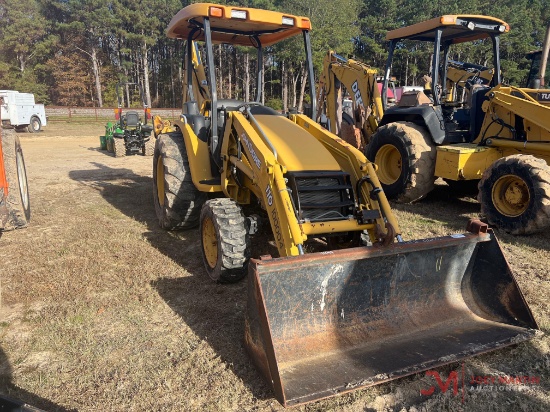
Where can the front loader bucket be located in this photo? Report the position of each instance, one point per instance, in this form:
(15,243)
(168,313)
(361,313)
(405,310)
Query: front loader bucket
(326,323)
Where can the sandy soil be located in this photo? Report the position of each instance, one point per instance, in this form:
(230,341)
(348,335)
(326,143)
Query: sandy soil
(102,310)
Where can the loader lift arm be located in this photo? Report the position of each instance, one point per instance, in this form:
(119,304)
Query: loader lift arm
(267,179)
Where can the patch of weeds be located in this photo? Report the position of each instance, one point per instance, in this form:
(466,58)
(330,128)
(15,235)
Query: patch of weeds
(77,320)
(62,252)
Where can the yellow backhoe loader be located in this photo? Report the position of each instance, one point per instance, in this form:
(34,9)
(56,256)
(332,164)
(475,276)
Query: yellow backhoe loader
(493,136)
(318,323)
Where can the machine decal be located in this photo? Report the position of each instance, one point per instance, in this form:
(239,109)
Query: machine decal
(357,92)
(269,195)
(248,144)
(277,227)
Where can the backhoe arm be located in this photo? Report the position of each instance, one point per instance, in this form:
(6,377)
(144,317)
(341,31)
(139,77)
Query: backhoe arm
(360,80)
(200,89)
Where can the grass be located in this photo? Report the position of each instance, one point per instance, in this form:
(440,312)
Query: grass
(105,311)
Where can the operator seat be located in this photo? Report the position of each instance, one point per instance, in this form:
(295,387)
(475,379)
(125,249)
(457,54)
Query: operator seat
(222,107)
(132,119)
(477,97)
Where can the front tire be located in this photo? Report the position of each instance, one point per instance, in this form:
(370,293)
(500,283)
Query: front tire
(405,156)
(514,193)
(148,148)
(18,202)
(177,201)
(35,125)
(110,147)
(225,240)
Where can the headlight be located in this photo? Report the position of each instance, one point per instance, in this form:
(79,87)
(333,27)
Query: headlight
(288,21)
(238,14)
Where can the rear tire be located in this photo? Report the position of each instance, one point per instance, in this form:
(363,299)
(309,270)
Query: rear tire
(225,240)
(35,125)
(119,147)
(514,193)
(177,201)
(148,148)
(17,202)
(405,156)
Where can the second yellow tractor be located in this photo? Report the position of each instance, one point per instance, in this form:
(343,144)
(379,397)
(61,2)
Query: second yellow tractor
(468,129)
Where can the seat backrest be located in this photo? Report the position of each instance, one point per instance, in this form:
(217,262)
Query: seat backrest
(200,125)
(476,111)
(223,106)
(132,119)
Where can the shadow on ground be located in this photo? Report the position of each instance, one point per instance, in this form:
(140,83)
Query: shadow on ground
(14,398)
(98,149)
(215,312)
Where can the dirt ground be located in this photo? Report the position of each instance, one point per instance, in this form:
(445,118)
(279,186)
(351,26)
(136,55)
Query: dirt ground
(103,310)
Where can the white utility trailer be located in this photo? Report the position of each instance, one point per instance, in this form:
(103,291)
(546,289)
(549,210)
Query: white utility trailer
(21,112)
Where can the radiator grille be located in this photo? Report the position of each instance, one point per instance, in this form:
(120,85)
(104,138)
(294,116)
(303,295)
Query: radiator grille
(322,196)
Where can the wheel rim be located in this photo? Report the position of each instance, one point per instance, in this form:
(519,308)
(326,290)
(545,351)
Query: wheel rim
(22,177)
(511,195)
(389,164)
(160,181)
(209,242)
(35,125)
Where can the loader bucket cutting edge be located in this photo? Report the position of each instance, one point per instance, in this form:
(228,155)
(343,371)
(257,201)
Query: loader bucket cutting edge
(326,323)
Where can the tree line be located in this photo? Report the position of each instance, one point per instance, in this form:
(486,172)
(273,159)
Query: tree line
(74,52)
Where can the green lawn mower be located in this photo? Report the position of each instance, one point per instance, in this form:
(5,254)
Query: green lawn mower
(128,135)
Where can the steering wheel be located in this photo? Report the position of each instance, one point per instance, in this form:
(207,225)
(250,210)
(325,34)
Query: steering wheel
(242,107)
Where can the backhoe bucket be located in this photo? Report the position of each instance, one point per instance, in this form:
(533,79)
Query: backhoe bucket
(326,323)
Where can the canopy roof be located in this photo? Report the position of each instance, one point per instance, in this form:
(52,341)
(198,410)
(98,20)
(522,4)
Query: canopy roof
(236,25)
(456,29)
